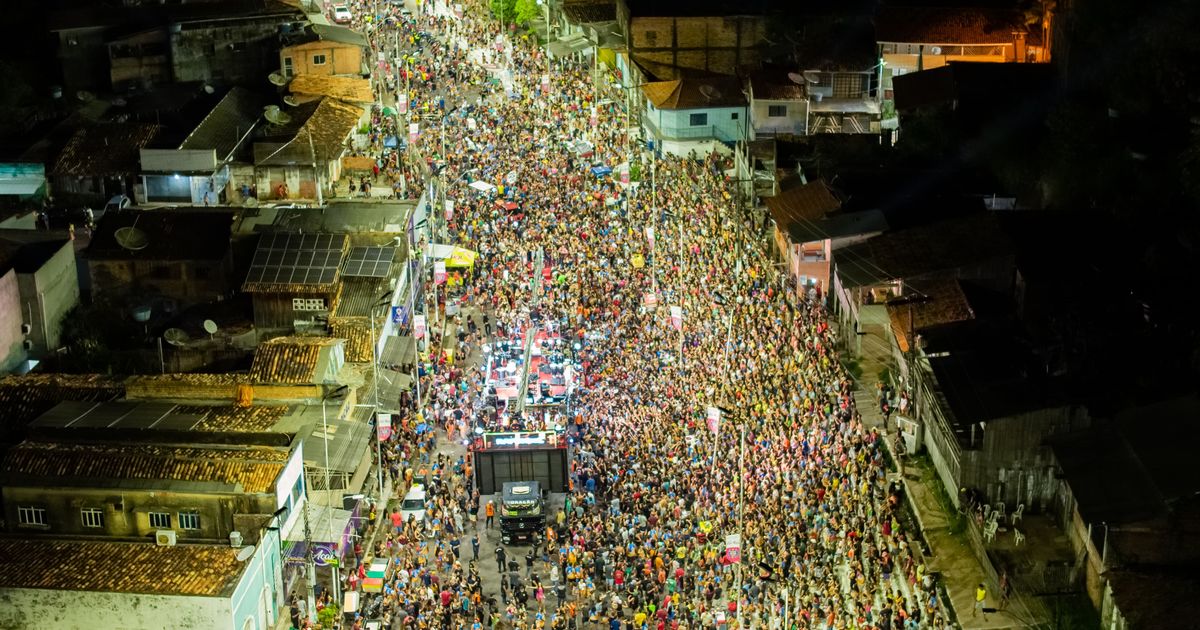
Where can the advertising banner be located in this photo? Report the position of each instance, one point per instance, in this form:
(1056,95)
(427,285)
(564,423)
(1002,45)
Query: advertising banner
(383,426)
(677,317)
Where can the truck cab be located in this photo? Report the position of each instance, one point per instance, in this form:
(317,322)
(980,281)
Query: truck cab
(522,511)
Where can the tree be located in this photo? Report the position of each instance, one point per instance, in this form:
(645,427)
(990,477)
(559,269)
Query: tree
(526,10)
(504,10)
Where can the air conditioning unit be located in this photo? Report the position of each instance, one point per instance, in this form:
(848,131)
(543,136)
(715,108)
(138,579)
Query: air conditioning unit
(27,344)
(165,537)
(235,539)
(936,50)
(26,329)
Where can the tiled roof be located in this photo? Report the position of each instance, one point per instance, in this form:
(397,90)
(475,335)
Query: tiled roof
(944,245)
(357,333)
(254,468)
(690,93)
(807,202)
(174,234)
(944,303)
(351,89)
(589,12)
(325,32)
(227,124)
(330,124)
(119,567)
(289,360)
(24,398)
(184,386)
(947,25)
(104,149)
(1155,597)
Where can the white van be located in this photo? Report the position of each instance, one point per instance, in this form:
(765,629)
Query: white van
(413,506)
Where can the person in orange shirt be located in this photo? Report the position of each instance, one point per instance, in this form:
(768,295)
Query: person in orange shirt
(490,512)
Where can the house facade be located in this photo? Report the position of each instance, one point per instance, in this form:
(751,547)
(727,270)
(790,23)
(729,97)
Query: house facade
(294,160)
(324,50)
(778,106)
(294,279)
(696,114)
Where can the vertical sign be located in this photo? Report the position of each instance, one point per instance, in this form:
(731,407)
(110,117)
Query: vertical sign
(413,131)
(419,326)
(650,235)
(733,547)
(545,84)
(714,420)
(439,272)
(383,426)
(677,317)
(402,104)
(449,207)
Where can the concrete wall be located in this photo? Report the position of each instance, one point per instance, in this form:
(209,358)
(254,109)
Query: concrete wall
(140,60)
(47,295)
(242,52)
(719,123)
(85,610)
(12,350)
(187,282)
(340,59)
(715,44)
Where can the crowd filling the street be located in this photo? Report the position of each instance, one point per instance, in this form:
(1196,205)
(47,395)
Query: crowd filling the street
(668,302)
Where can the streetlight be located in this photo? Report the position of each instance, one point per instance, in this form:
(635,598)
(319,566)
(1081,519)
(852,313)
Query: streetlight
(741,504)
(384,300)
(335,394)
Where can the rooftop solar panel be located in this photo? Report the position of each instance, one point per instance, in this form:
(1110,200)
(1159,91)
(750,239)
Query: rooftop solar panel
(296,259)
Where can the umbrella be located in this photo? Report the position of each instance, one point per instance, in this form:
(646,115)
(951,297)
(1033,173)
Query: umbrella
(388,111)
(391,142)
(422,428)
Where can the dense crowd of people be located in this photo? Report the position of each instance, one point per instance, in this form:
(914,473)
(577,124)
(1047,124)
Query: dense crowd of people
(640,542)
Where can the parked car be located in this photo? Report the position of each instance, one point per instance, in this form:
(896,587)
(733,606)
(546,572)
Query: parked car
(341,14)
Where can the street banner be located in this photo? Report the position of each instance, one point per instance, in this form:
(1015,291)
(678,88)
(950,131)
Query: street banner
(714,420)
(471,124)
(625,175)
(439,271)
(419,326)
(733,547)
(650,235)
(449,207)
(677,317)
(545,84)
(413,131)
(383,426)
(402,104)
(650,299)
(399,315)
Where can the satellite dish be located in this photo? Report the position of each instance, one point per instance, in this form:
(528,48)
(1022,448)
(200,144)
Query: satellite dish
(131,238)
(936,50)
(208,89)
(119,102)
(277,79)
(250,202)
(275,116)
(210,327)
(141,314)
(85,96)
(290,101)
(711,93)
(244,553)
(796,77)
(175,337)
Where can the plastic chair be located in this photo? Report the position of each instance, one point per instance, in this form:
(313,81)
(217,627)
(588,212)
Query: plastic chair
(1018,537)
(1000,513)
(1016,516)
(989,531)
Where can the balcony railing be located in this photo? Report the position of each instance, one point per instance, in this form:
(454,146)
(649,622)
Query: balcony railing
(692,133)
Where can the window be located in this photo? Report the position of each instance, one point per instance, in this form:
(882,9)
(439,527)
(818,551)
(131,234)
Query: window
(733,116)
(189,519)
(776,111)
(698,120)
(92,517)
(308,304)
(318,60)
(287,66)
(160,520)
(27,515)
(824,79)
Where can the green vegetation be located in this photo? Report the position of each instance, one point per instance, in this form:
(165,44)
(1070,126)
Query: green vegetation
(515,11)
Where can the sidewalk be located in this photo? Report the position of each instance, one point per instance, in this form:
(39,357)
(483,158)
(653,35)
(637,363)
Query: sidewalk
(949,552)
